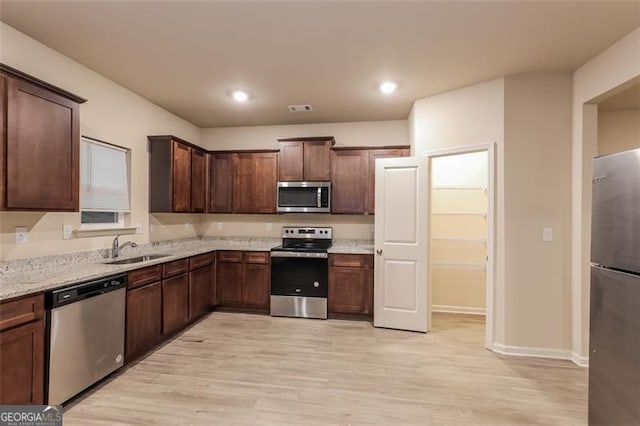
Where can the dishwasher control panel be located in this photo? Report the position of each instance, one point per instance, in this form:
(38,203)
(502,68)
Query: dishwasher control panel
(85,290)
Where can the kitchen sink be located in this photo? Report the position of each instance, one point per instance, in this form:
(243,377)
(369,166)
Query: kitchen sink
(136,259)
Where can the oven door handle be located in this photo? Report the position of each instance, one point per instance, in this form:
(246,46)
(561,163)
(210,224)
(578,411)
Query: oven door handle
(299,255)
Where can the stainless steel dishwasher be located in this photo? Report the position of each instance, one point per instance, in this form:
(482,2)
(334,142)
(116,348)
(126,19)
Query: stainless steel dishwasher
(86,335)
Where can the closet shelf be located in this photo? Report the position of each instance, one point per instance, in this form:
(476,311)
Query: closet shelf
(464,266)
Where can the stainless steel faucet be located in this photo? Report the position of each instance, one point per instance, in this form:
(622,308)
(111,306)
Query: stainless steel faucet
(116,247)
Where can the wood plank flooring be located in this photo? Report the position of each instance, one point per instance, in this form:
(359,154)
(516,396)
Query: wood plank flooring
(238,369)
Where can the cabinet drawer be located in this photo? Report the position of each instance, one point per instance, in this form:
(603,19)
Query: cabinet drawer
(256,257)
(230,256)
(21,311)
(201,260)
(144,276)
(350,260)
(176,267)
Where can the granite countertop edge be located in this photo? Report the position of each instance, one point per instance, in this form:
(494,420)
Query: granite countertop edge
(19,284)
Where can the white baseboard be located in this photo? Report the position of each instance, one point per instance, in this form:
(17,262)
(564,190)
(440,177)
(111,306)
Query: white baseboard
(535,352)
(458,310)
(582,361)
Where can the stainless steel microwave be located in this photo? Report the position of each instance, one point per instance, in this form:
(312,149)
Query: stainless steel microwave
(304,197)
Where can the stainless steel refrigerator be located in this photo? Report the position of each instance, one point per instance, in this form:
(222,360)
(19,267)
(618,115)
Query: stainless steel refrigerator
(614,345)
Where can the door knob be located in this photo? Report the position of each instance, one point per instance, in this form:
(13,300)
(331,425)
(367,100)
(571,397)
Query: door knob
(379,251)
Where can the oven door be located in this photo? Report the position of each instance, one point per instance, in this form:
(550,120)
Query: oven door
(299,285)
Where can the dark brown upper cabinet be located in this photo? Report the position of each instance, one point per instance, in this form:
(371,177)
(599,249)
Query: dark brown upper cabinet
(353,177)
(177,176)
(40,145)
(305,159)
(254,181)
(220,192)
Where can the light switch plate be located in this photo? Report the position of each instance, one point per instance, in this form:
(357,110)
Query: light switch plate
(67,232)
(547,234)
(21,234)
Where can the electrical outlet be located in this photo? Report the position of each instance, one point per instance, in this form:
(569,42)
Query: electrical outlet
(219,226)
(152,228)
(269,226)
(138,228)
(67,232)
(186,226)
(547,234)
(21,234)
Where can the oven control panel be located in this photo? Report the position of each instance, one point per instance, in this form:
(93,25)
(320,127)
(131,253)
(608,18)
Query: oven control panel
(321,232)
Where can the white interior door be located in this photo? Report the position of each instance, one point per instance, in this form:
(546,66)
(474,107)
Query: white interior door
(401,241)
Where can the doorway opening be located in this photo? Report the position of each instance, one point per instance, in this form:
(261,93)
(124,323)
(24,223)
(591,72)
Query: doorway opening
(461,242)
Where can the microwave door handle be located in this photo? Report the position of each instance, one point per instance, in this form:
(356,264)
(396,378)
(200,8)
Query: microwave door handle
(319,197)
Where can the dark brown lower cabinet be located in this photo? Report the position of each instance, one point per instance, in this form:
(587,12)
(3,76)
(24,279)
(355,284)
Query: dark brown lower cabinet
(350,284)
(175,303)
(243,279)
(22,345)
(144,319)
(199,291)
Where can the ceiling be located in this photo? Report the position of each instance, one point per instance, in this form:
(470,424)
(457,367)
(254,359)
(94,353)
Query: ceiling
(188,56)
(628,99)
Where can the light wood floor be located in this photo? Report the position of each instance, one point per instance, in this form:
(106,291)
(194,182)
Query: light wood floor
(250,369)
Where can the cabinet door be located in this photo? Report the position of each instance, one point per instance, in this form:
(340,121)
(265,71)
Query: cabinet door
(22,364)
(317,160)
(198,182)
(229,284)
(181,177)
(144,319)
(213,293)
(264,175)
(175,303)
(243,183)
(371,172)
(221,183)
(290,161)
(42,149)
(199,292)
(348,291)
(256,285)
(348,181)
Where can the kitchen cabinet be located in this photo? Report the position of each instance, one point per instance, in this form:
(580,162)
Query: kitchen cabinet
(348,180)
(144,311)
(175,303)
(350,284)
(39,145)
(177,176)
(353,177)
(200,274)
(243,279)
(254,182)
(305,159)
(22,345)
(220,192)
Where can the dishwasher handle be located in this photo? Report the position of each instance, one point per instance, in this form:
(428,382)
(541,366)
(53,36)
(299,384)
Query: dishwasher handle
(85,290)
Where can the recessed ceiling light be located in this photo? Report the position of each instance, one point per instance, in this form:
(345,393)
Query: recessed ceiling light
(388,87)
(240,96)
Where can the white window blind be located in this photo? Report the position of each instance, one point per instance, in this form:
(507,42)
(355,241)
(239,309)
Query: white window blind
(104,183)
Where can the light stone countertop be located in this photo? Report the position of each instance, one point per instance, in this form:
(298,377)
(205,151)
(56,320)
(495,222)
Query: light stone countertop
(31,276)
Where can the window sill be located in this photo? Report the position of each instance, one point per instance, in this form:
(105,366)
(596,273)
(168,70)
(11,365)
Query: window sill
(99,232)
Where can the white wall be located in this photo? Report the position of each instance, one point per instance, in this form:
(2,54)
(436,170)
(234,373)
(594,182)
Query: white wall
(466,117)
(618,131)
(528,118)
(368,133)
(537,159)
(113,114)
(611,71)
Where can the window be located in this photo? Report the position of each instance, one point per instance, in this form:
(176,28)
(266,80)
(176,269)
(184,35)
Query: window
(104,184)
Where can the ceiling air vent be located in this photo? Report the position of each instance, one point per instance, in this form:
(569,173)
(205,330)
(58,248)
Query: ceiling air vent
(300,108)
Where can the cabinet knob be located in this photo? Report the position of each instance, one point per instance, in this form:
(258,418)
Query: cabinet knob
(379,251)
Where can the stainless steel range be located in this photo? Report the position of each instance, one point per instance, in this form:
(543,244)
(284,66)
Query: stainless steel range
(300,273)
